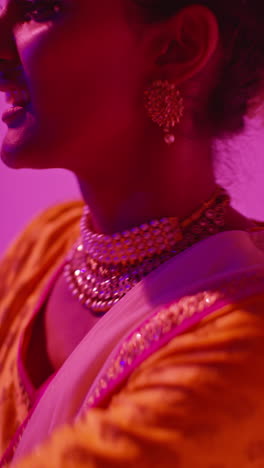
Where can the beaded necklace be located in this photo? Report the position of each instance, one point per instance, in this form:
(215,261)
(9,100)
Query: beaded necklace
(100,269)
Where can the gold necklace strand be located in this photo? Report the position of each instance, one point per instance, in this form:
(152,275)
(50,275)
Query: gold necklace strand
(139,242)
(99,280)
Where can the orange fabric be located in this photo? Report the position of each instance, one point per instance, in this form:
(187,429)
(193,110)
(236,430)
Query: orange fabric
(24,270)
(198,402)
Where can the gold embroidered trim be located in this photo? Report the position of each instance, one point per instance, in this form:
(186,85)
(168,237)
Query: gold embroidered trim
(168,318)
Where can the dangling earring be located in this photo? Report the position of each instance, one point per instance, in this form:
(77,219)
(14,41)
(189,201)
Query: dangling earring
(164,105)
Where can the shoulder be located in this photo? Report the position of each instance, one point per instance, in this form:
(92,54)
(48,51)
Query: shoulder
(58,215)
(199,319)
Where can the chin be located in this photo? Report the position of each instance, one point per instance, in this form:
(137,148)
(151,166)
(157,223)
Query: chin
(11,160)
(28,151)
(26,159)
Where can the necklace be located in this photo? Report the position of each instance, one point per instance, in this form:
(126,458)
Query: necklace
(100,269)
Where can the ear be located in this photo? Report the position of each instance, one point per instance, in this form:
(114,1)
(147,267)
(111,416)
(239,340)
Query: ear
(186,41)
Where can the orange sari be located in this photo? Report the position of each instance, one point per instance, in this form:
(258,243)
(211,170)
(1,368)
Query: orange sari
(194,398)
(25,272)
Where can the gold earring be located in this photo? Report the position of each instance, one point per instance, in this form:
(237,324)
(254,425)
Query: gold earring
(164,105)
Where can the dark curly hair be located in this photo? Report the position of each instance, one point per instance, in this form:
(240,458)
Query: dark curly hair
(241,82)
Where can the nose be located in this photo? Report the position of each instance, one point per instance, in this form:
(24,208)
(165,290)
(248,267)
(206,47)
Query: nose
(11,68)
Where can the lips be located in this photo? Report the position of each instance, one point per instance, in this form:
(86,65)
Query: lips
(13,115)
(19,99)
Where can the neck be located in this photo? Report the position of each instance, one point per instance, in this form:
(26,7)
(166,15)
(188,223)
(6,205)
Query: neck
(149,182)
(120,260)
(136,194)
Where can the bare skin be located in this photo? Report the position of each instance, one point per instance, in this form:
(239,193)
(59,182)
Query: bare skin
(86,115)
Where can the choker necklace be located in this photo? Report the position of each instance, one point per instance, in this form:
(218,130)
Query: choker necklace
(100,269)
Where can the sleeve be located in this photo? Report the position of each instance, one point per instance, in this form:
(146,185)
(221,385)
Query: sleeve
(56,224)
(196,403)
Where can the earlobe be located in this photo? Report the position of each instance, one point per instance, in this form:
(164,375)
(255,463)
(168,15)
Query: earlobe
(193,37)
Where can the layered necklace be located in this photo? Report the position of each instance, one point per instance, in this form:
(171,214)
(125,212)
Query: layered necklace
(100,269)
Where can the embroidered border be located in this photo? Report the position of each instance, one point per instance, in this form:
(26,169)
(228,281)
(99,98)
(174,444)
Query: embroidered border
(165,324)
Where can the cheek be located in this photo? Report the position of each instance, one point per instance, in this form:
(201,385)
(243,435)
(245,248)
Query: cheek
(82,86)
(90,77)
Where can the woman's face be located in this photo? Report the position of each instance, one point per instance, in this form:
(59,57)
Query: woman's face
(83,67)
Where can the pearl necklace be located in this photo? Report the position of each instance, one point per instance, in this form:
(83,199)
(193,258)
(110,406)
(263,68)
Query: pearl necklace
(100,269)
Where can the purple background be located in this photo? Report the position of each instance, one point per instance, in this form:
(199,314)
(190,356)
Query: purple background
(24,192)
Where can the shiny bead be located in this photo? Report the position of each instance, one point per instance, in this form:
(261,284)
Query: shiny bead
(203,223)
(169,139)
(212,230)
(209,214)
(158,326)
(219,221)
(100,268)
